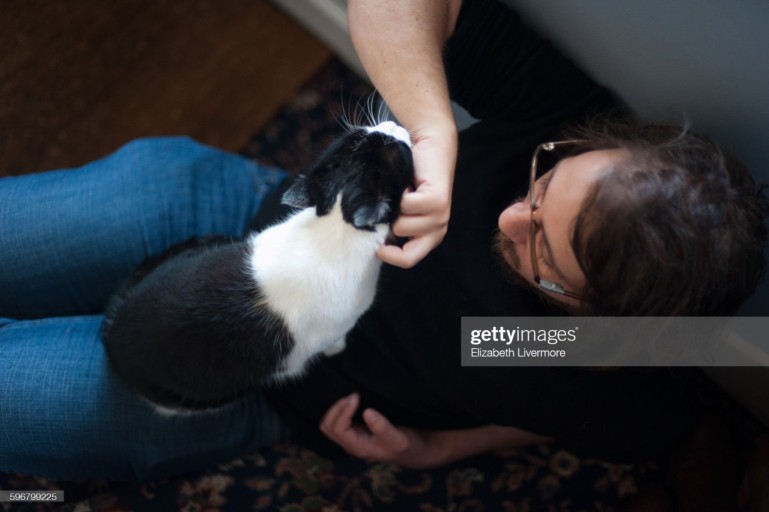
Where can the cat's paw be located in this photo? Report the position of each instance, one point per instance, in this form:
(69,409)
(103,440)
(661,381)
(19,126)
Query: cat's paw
(336,347)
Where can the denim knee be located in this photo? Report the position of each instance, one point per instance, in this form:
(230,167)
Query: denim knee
(163,159)
(220,192)
(66,415)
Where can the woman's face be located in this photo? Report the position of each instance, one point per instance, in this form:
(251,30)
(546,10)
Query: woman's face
(561,192)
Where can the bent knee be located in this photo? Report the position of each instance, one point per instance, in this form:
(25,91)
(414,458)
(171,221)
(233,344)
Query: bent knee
(157,158)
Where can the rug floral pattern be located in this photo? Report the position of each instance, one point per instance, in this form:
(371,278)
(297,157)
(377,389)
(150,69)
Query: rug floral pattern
(288,478)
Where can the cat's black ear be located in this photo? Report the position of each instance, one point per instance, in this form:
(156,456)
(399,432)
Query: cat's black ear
(369,214)
(298,194)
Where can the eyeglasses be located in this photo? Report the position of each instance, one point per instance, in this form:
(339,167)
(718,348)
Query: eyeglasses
(536,227)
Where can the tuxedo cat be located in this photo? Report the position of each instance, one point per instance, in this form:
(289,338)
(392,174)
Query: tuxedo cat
(213,319)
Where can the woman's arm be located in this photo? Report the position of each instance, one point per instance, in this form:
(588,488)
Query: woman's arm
(400,43)
(381,441)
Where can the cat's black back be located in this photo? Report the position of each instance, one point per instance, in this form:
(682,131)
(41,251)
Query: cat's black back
(248,342)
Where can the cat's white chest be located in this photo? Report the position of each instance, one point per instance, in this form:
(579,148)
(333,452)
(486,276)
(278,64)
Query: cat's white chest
(319,275)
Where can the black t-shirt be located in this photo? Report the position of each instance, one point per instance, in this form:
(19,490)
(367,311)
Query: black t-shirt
(403,357)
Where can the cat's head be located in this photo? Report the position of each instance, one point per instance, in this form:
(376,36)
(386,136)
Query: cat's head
(368,169)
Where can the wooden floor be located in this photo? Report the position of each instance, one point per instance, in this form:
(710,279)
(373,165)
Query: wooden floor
(79,78)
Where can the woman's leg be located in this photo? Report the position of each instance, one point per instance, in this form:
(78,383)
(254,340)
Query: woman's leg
(64,415)
(67,238)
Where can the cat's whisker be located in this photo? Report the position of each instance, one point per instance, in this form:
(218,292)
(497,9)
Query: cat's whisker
(360,114)
(362,117)
(341,120)
(358,121)
(383,112)
(347,123)
(370,109)
(351,115)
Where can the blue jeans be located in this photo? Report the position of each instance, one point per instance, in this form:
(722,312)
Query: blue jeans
(67,239)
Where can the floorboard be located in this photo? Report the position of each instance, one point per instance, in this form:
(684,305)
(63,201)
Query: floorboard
(80,78)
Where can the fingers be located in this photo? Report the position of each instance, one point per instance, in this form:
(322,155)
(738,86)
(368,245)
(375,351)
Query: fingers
(410,254)
(338,419)
(424,201)
(424,219)
(381,442)
(338,426)
(414,225)
(385,432)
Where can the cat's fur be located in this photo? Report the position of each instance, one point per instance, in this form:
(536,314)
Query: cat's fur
(213,319)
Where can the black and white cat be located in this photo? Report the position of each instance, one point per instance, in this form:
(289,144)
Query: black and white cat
(209,321)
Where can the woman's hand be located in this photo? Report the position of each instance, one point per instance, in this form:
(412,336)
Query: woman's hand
(425,210)
(379,440)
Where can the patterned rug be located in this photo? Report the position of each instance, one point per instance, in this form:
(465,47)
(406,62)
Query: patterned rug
(289,478)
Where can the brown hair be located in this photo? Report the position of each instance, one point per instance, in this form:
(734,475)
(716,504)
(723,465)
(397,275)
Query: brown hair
(676,228)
